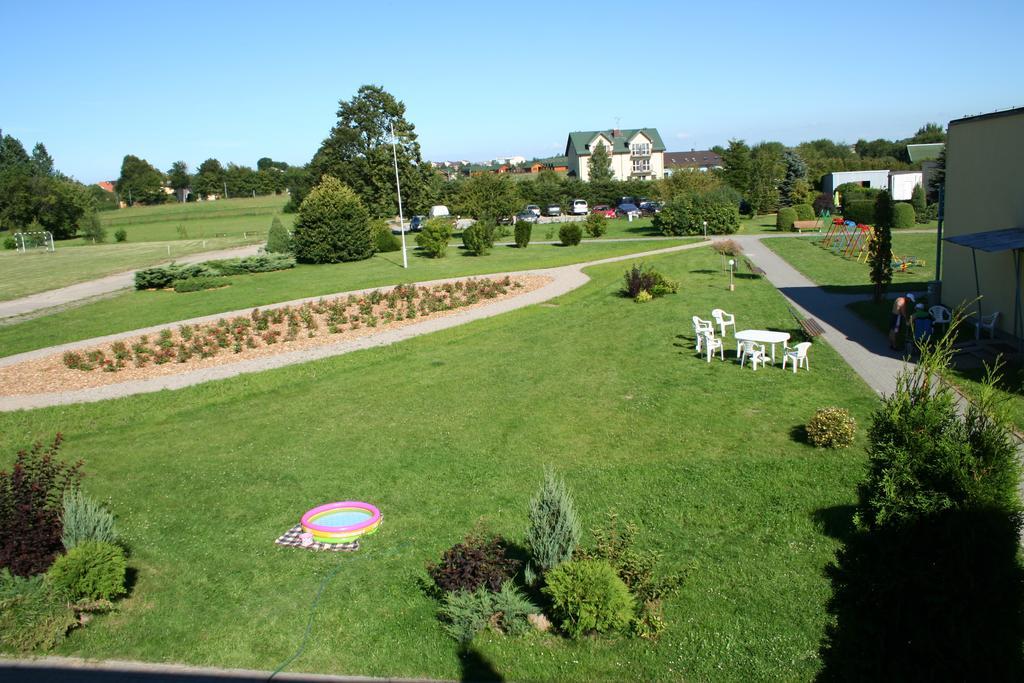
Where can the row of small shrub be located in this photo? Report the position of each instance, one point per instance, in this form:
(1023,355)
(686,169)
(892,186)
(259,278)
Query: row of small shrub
(59,551)
(607,587)
(162,277)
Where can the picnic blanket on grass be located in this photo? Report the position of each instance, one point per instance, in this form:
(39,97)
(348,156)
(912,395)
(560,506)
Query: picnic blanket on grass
(291,539)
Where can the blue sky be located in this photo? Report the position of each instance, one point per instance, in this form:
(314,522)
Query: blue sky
(238,81)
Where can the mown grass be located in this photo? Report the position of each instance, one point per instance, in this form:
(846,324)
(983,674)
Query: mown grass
(39,271)
(133,310)
(451,429)
(838,273)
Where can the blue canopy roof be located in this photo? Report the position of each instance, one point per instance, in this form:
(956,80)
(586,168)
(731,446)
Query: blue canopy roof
(991,240)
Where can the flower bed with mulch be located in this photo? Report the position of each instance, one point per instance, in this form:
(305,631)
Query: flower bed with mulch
(263,332)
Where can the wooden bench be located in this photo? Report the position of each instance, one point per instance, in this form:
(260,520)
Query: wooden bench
(800,226)
(811,327)
(754,269)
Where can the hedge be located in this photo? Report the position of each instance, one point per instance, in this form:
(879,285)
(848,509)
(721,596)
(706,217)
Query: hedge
(804,212)
(860,211)
(163,277)
(904,215)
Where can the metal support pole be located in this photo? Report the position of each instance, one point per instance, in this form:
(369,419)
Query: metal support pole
(398,187)
(938,240)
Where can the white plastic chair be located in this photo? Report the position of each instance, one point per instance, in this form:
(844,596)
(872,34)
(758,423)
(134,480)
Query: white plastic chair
(724,320)
(699,328)
(940,315)
(753,351)
(797,354)
(712,344)
(986,322)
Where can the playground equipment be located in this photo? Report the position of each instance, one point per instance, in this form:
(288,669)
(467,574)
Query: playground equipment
(847,239)
(341,522)
(33,240)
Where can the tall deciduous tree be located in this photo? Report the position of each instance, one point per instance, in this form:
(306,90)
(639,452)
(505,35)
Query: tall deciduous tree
(140,182)
(209,179)
(358,152)
(179,179)
(880,248)
(599,165)
(766,172)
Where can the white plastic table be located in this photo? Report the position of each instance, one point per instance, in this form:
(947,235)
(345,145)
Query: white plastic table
(761,337)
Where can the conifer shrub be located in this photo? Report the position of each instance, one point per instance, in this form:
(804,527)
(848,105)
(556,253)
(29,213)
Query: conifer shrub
(570,234)
(32,616)
(467,613)
(433,238)
(554,530)
(333,225)
(474,238)
(92,570)
(278,239)
(903,215)
(83,519)
(785,218)
(198,284)
(523,233)
(476,562)
(804,212)
(831,428)
(588,596)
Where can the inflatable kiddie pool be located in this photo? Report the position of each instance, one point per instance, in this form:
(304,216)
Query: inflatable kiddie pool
(341,522)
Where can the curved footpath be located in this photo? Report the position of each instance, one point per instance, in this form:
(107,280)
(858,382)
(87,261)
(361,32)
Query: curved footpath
(563,279)
(84,291)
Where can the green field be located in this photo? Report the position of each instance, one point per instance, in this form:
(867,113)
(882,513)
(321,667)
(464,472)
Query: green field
(847,275)
(198,220)
(453,429)
(133,310)
(38,271)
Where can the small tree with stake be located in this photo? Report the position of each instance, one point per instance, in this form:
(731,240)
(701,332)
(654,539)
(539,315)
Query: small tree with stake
(880,250)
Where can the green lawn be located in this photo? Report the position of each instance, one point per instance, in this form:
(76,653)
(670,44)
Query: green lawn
(38,271)
(1010,386)
(133,310)
(838,273)
(196,220)
(451,429)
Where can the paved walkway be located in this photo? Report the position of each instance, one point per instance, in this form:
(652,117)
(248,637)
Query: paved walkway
(563,279)
(84,291)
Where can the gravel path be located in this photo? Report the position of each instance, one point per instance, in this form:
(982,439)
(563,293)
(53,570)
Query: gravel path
(563,279)
(86,291)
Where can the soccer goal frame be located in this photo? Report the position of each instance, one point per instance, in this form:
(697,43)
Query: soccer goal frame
(34,240)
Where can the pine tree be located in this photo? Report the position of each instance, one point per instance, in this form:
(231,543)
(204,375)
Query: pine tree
(880,248)
(920,204)
(554,529)
(737,165)
(278,239)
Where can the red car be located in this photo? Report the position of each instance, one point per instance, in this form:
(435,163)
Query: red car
(604,210)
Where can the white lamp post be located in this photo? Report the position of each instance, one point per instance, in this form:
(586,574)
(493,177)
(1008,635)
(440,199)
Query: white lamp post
(705,229)
(732,287)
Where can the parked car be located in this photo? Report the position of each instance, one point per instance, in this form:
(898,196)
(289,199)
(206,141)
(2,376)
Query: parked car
(579,207)
(629,200)
(533,208)
(628,210)
(505,220)
(416,224)
(553,210)
(439,211)
(604,210)
(650,208)
(527,215)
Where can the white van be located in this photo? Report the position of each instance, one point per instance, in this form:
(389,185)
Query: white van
(439,211)
(579,207)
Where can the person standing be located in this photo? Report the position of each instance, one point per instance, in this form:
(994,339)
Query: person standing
(901,309)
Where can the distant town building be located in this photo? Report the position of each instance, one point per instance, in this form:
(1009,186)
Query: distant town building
(107,185)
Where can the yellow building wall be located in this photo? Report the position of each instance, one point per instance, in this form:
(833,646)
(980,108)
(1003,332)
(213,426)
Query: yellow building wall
(984,191)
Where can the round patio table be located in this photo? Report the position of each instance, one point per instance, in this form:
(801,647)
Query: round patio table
(761,337)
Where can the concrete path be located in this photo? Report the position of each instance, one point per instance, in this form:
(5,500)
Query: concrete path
(111,283)
(861,345)
(563,279)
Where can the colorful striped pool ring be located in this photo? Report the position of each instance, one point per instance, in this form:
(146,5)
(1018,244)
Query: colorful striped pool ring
(341,522)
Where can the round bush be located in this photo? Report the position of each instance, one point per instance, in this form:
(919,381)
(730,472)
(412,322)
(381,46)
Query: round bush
(588,595)
(804,212)
(383,239)
(903,215)
(474,238)
(10,243)
(93,570)
(121,235)
(570,234)
(785,218)
(595,225)
(831,428)
(333,226)
(434,237)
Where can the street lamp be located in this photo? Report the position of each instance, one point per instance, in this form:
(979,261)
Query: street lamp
(705,229)
(732,262)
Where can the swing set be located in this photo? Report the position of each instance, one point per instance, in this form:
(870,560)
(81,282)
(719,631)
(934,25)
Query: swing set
(848,239)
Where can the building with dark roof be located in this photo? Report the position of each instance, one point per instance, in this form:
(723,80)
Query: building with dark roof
(694,160)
